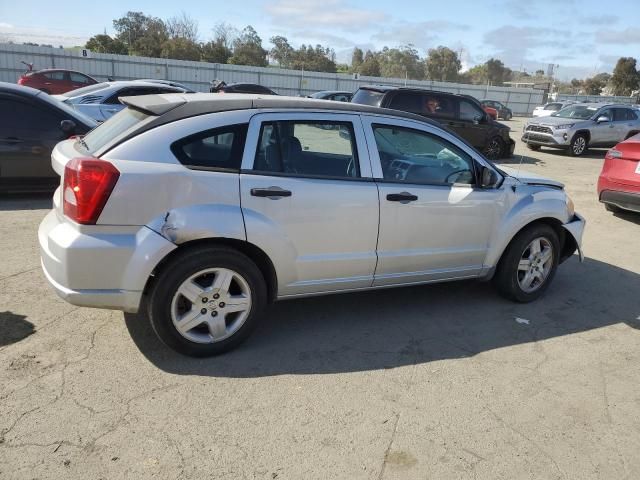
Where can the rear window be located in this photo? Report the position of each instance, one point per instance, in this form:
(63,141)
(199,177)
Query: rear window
(117,126)
(368,97)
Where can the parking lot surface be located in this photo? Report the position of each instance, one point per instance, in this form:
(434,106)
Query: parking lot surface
(446,381)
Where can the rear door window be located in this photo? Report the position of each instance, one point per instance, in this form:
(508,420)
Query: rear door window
(407,102)
(24,120)
(623,115)
(439,106)
(55,75)
(308,148)
(469,111)
(219,149)
(79,78)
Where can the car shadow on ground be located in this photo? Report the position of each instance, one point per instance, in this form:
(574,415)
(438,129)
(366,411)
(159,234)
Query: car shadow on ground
(13,328)
(22,201)
(520,160)
(396,327)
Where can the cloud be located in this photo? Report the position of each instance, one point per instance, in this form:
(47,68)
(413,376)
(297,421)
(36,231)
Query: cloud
(420,34)
(321,13)
(6,26)
(623,37)
(49,36)
(312,37)
(514,45)
(599,19)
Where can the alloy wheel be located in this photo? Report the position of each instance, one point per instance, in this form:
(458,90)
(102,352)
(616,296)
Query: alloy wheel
(579,144)
(535,265)
(211,305)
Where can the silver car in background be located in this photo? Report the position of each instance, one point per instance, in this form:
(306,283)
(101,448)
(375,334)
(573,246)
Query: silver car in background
(550,108)
(100,101)
(200,209)
(583,125)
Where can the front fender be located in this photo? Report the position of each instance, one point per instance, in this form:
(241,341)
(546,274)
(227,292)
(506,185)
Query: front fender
(528,204)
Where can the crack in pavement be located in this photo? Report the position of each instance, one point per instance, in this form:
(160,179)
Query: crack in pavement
(386,453)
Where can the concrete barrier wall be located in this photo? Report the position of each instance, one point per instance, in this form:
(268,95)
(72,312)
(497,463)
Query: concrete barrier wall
(197,75)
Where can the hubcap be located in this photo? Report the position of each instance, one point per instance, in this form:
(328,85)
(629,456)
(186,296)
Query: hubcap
(211,305)
(493,150)
(578,145)
(535,265)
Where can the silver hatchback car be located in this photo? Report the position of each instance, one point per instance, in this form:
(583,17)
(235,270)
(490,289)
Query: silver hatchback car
(203,208)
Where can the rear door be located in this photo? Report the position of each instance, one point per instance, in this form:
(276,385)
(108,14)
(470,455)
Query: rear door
(435,223)
(28,133)
(309,201)
(623,121)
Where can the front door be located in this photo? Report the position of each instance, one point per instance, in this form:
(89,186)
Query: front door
(474,122)
(435,223)
(603,133)
(309,201)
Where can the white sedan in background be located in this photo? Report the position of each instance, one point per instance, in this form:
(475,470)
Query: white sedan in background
(101,101)
(548,108)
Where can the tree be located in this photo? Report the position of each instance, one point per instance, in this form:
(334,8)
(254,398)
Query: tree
(370,66)
(225,34)
(593,86)
(142,35)
(183,26)
(181,49)
(539,73)
(357,57)
(130,28)
(215,51)
(625,76)
(442,64)
(247,49)
(403,62)
(282,52)
(497,72)
(318,59)
(103,43)
(476,75)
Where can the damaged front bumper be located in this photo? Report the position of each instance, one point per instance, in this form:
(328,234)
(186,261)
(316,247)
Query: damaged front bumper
(575,227)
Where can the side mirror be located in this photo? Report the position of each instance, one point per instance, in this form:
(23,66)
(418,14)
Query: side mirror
(602,119)
(68,127)
(489,178)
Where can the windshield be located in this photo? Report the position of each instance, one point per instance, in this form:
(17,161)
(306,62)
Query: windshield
(368,97)
(116,126)
(581,112)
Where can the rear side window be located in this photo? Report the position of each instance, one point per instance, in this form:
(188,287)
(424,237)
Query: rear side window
(470,111)
(79,78)
(623,114)
(439,106)
(407,102)
(368,97)
(316,149)
(219,149)
(54,75)
(118,125)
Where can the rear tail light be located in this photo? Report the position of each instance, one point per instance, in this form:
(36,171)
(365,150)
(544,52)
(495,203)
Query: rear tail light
(88,182)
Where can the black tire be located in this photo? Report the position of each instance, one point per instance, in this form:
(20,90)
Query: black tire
(535,148)
(180,268)
(508,116)
(506,278)
(579,145)
(494,149)
(612,208)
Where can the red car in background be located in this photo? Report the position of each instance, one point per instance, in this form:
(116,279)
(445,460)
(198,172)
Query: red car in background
(619,182)
(55,81)
(492,112)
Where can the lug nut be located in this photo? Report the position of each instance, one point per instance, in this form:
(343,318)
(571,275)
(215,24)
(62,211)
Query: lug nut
(216,296)
(221,304)
(214,314)
(205,299)
(203,311)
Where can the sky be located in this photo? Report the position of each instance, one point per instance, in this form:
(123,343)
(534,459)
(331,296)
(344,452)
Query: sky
(581,37)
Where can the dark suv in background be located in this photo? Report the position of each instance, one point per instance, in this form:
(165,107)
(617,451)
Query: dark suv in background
(504,112)
(462,114)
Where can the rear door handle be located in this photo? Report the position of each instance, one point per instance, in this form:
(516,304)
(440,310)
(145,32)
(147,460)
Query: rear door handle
(270,192)
(402,197)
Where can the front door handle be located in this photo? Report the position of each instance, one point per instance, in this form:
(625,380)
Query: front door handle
(402,197)
(270,192)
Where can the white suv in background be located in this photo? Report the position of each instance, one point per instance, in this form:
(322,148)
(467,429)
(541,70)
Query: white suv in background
(206,207)
(549,108)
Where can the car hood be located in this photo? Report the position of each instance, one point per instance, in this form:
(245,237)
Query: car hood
(531,178)
(551,121)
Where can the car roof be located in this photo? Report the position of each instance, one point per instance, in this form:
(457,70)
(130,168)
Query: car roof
(6,87)
(389,88)
(176,106)
(107,87)
(332,92)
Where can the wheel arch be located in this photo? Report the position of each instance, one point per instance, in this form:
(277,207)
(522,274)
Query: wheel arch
(254,253)
(631,134)
(584,132)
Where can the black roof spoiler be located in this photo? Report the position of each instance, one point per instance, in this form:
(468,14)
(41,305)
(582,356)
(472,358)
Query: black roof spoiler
(154,105)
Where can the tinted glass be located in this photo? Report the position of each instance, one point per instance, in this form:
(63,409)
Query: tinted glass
(368,97)
(26,121)
(553,106)
(341,97)
(117,125)
(217,149)
(54,75)
(407,102)
(439,106)
(325,149)
(469,111)
(78,78)
(623,114)
(413,156)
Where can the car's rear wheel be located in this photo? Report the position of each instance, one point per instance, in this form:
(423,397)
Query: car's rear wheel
(529,264)
(494,149)
(579,145)
(507,116)
(535,148)
(207,301)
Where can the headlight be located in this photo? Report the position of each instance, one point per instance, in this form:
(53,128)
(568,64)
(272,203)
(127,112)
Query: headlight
(566,126)
(570,206)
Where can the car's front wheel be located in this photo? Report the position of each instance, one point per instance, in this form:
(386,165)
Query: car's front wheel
(207,301)
(529,264)
(578,145)
(494,149)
